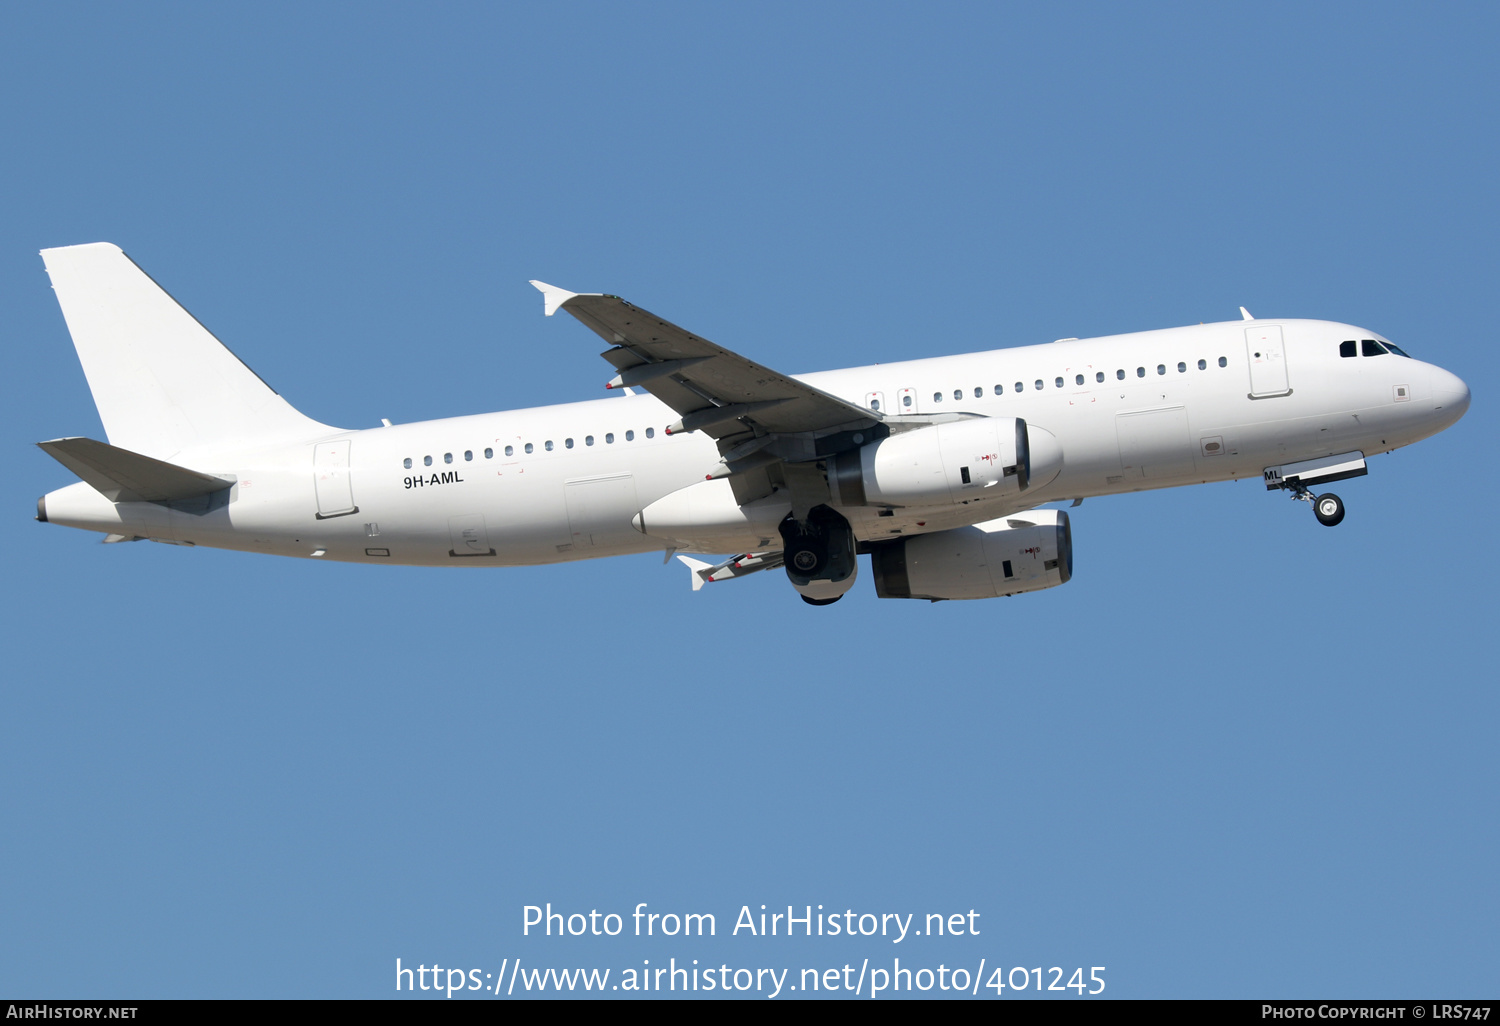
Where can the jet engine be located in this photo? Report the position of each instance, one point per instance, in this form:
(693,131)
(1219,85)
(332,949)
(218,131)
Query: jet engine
(1024,552)
(961,461)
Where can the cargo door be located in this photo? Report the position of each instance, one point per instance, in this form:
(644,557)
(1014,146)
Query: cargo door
(331,480)
(1267,357)
(469,536)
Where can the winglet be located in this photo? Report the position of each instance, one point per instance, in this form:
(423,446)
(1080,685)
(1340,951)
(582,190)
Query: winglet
(552,296)
(1243,312)
(697,566)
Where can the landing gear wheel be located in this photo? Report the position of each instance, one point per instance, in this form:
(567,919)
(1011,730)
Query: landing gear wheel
(808,556)
(1329,509)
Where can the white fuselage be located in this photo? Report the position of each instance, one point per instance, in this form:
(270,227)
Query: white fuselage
(565,482)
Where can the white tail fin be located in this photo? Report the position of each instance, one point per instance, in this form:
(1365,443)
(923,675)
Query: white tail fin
(161,381)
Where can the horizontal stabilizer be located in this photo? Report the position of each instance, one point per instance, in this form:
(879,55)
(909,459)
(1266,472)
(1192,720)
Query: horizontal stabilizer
(124,476)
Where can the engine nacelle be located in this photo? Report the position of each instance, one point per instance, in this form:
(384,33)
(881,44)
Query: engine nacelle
(980,458)
(1025,552)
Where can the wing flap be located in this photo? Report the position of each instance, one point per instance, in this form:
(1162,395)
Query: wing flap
(735,566)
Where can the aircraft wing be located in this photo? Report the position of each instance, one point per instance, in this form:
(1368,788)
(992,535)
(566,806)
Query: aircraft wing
(714,390)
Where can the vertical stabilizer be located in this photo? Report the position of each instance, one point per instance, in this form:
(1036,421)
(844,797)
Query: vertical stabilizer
(161,381)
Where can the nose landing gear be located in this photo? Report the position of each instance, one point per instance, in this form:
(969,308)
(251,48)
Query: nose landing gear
(1328,508)
(1295,478)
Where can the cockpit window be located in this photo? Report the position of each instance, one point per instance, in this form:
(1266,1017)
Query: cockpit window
(1369,347)
(1348,349)
(1398,351)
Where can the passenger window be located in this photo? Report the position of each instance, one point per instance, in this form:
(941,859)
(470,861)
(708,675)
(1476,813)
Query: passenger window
(651,432)
(568,443)
(1347,349)
(1203,365)
(528,448)
(406,463)
(630,436)
(1182,368)
(937,397)
(978,393)
(875,405)
(609,439)
(1040,384)
(958,395)
(1020,386)
(1058,382)
(1161,368)
(489,454)
(1120,373)
(1140,372)
(999,389)
(1369,347)
(426,461)
(906,400)
(1223,361)
(1080,379)
(548,445)
(447,457)
(468,455)
(1099,376)
(588,439)
(510,450)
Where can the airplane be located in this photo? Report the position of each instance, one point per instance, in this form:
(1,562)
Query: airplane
(937,469)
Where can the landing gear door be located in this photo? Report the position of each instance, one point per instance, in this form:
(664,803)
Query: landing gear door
(1267,356)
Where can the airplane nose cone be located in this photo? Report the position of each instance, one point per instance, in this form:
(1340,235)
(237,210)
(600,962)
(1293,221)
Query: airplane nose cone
(1450,395)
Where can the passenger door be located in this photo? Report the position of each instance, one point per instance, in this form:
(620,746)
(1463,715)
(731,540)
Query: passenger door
(1267,356)
(331,480)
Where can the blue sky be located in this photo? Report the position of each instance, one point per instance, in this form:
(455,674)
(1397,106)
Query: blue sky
(1238,755)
